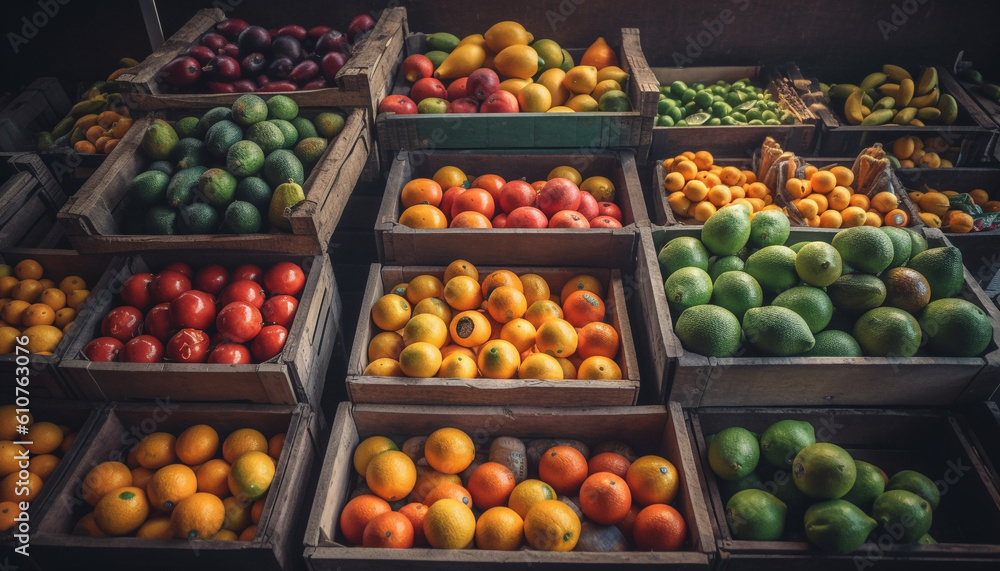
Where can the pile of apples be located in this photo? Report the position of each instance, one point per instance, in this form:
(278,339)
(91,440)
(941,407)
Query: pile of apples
(236,57)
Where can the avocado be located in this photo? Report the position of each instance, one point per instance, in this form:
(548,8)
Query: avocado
(267,135)
(256,191)
(211,117)
(190,152)
(282,165)
(148,188)
(182,186)
(161,220)
(197,218)
(221,136)
(245,158)
(242,218)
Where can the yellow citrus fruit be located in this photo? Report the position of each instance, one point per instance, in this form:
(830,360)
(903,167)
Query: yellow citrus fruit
(449,450)
(238,515)
(461,268)
(449,524)
(386,344)
(463,293)
(600,187)
(458,366)
(498,359)
(540,366)
(391,475)
(552,79)
(500,528)
(520,61)
(603,87)
(250,475)
(505,34)
(241,441)
(367,450)
(384,367)
(542,311)
(534,98)
(434,306)
(581,79)
(425,327)
(599,368)
(557,338)
(449,176)
(122,511)
(581,103)
(551,525)
(424,286)
(420,359)
(520,333)
(391,312)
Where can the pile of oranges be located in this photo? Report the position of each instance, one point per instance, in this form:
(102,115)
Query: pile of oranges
(436,491)
(697,188)
(826,199)
(49,443)
(936,211)
(183,487)
(502,326)
(36,307)
(101,132)
(932,152)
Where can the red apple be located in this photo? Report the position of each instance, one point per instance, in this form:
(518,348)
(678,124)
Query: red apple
(516,193)
(588,206)
(482,83)
(427,87)
(500,221)
(417,66)
(609,209)
(559,194)
(499,102)
(605,222)
(457,89)
(568,219)
(527,217)
(464,105)
(399,104)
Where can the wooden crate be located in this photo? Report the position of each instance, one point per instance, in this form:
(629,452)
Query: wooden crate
(277,542)
(93,218)
(935,443)
(600,247)
(984,417)
(44,379)
(30,199)
(531,130)
(296,375)
(973,131)
(362,82)
(406,390)
(698,381)
(737,140)
(649,429)
(38,108)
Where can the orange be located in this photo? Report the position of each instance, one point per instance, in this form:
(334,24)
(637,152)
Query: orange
(506,303)
(12,311)
(449,524)
(686,168)
(43,465)
(8,511)
(557,337)
(158,527)
(760,190)
(248,533)
(542,311)
(386,344)
(564,468)
(839,198)
(275,445)
(27,290)
(830,219)
(528,493)
(608,462)
(490,485)
(823,181)
(12,487)
(104,478)
(75,298)
(498,359)
(695,190)
(652,480)
(7,284)
(449,176)
(226,535)
(141,477)
(470,328)
(53,297)
(490,183)
(121,511)
(463,293)
(391,475)
(435,306)
(368,449)
(452,348)
(242,441)
(28,269)
(421,191)
(448,490)
(458,366)
(391,530)
(599,368)
(551,525)
(425,327)
(853,216)
(703,159)
(795,187)
(415,512)
(674,182)
(70,284)
(582,307)
(423,216)
(238,515)
(474,200)
(873,218)
(10,419)
(45,437)
(860,200)
(250,476)
(519,332)
(659,527)
(461,268)
(430,479)
(449,450)
(258,510)
(500,528)
(884,201)
(156,450)
(535,288)
(383,367)
(499,278)
(169,485)
(844,175)
(541,366)
(197,444)
(720,195)
(358,512)
(424,286)
(979,196)
(420,359)
(597,338)
(213,477)
(10,455)
(87,527)
(582,282)
(605,498)
(899,218)
(198,516)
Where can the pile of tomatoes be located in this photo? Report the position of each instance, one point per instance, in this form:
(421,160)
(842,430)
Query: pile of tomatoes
(213,315)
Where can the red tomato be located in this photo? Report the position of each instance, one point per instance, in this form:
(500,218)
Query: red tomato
(475,199)
(279,310)
(142,349)
(211,279)
(247,272)
(158,322)
(269,342)
(230,354)
(284,278)
(568,219)
(239,322)
(103,349)
(188,346)
(194,309)
(243,290)
(448,199)
(182,267)
(122,323)
(136,291)
(169,284)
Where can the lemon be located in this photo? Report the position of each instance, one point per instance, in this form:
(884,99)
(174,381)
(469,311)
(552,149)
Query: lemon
(560,109)
(534,98)
(602,188)
(605,86)
(552,80)
(505,34)
(462,61)
(582,103)
(477,39)
(517,61)
(43,338)
(581,79)
(514,85)
(567,172)
(612,72)
(550,52)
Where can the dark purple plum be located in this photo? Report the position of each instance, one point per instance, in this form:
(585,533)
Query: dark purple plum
(254,39)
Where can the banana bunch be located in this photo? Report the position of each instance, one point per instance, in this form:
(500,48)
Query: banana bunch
(892,97)
(72,128)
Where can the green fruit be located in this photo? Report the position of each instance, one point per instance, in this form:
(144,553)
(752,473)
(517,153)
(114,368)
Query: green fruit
(719,265)
(769,228)
(942,267)
(432,105)
(614,101)
(288,131)
(159,139)
(824,471)
(856,292)
(709,330)
(926,539)
(442,41)
(567,63)
(182,186)
(729,488)
(254,190)
(906,514)
(777,331)
(282,107)
(867,486)
(436,57)
(285,196)
(266,135)
(217,186)
(310,150)
(773,267)
(756,515)
(837,526)
(166,167)
(919,484)
(901,245)
(242,218)
(726,231)
(249,109)
(783,440)
(190,152)
(221,136)
(245,158)
(148,188)
(304,127)
(733,453)
(917,242)
(811,303)
(956,328)
(906,289)
(282,165)
(687,287)
(186,127)
(737,291)
(161,220)
(834,343)
(818,263)
(865,248)
(211,117)
(887,332)
(329,125)
(682,252)
(197,218)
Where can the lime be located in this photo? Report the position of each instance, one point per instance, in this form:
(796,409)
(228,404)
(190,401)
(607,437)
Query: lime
(887,332)
(824,471)
(769,228)
(682,252)
(772,266)
(868,485)
(837,526)
(777,331)
(756,515)
(818,263)
(737,291)
(913,481)
(709,330)
(906,513)
(811,303)
(783,440)
(721,264)
(834,343)
(733,453)
(687,287)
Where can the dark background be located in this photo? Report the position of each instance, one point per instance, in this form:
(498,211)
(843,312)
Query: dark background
(835,40)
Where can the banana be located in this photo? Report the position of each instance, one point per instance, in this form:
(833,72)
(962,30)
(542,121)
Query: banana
(127,62)
(841,90)
(63,127)
(884,103)
(865,111)
(88,106)
(852,107)
(928,81)
(896,73)
(77,135)
(86,122)
(928,114)
(926,99)
(873,80)
(917,123)
(905,115)
(949,109)
(867,100)
(905,93)
(880,117)
(889,89)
